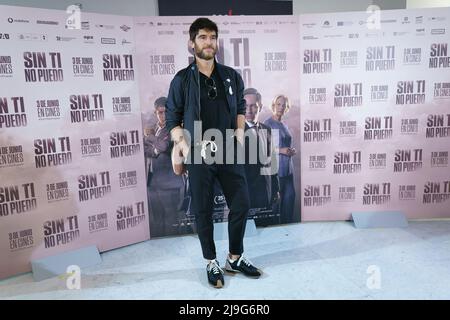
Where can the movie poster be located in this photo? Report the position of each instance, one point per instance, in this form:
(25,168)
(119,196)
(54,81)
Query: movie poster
(264,50)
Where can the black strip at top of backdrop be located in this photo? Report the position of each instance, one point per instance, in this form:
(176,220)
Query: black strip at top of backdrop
(224,7)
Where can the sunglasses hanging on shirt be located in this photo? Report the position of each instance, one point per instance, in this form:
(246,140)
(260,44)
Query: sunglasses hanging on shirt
(212,89)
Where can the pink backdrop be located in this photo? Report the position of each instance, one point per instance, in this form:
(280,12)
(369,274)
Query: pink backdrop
(375,114)
(70,149)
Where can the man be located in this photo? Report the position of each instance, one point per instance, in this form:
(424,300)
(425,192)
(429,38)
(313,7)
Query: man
(262,183)
(164,187)
(153,143)
(209,93)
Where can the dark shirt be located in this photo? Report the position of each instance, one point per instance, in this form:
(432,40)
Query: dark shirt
(214,113)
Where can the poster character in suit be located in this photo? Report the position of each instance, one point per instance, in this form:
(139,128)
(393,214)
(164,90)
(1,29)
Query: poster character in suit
(263,185)
(165,189)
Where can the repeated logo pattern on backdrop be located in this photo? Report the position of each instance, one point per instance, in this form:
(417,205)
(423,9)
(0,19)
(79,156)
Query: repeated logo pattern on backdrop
(369,119)
(375,106)
(71,151)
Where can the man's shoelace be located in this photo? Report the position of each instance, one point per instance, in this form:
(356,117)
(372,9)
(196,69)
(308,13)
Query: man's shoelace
(214,267)
(246,261)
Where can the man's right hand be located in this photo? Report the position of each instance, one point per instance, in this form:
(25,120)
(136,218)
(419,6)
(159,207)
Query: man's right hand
(180,148)
(184,148)
(179,154)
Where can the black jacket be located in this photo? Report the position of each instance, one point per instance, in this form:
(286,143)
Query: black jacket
(183,100)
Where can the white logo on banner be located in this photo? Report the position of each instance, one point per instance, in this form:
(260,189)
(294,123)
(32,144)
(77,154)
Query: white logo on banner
(73,21)
(374,281)
(373,21)
(74,277)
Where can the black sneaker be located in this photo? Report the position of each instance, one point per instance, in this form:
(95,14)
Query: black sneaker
(244,266)
(215,274)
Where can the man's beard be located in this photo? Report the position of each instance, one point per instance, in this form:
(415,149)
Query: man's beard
(199,53)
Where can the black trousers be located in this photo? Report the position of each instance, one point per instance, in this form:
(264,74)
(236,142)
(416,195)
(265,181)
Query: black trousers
(234,185)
